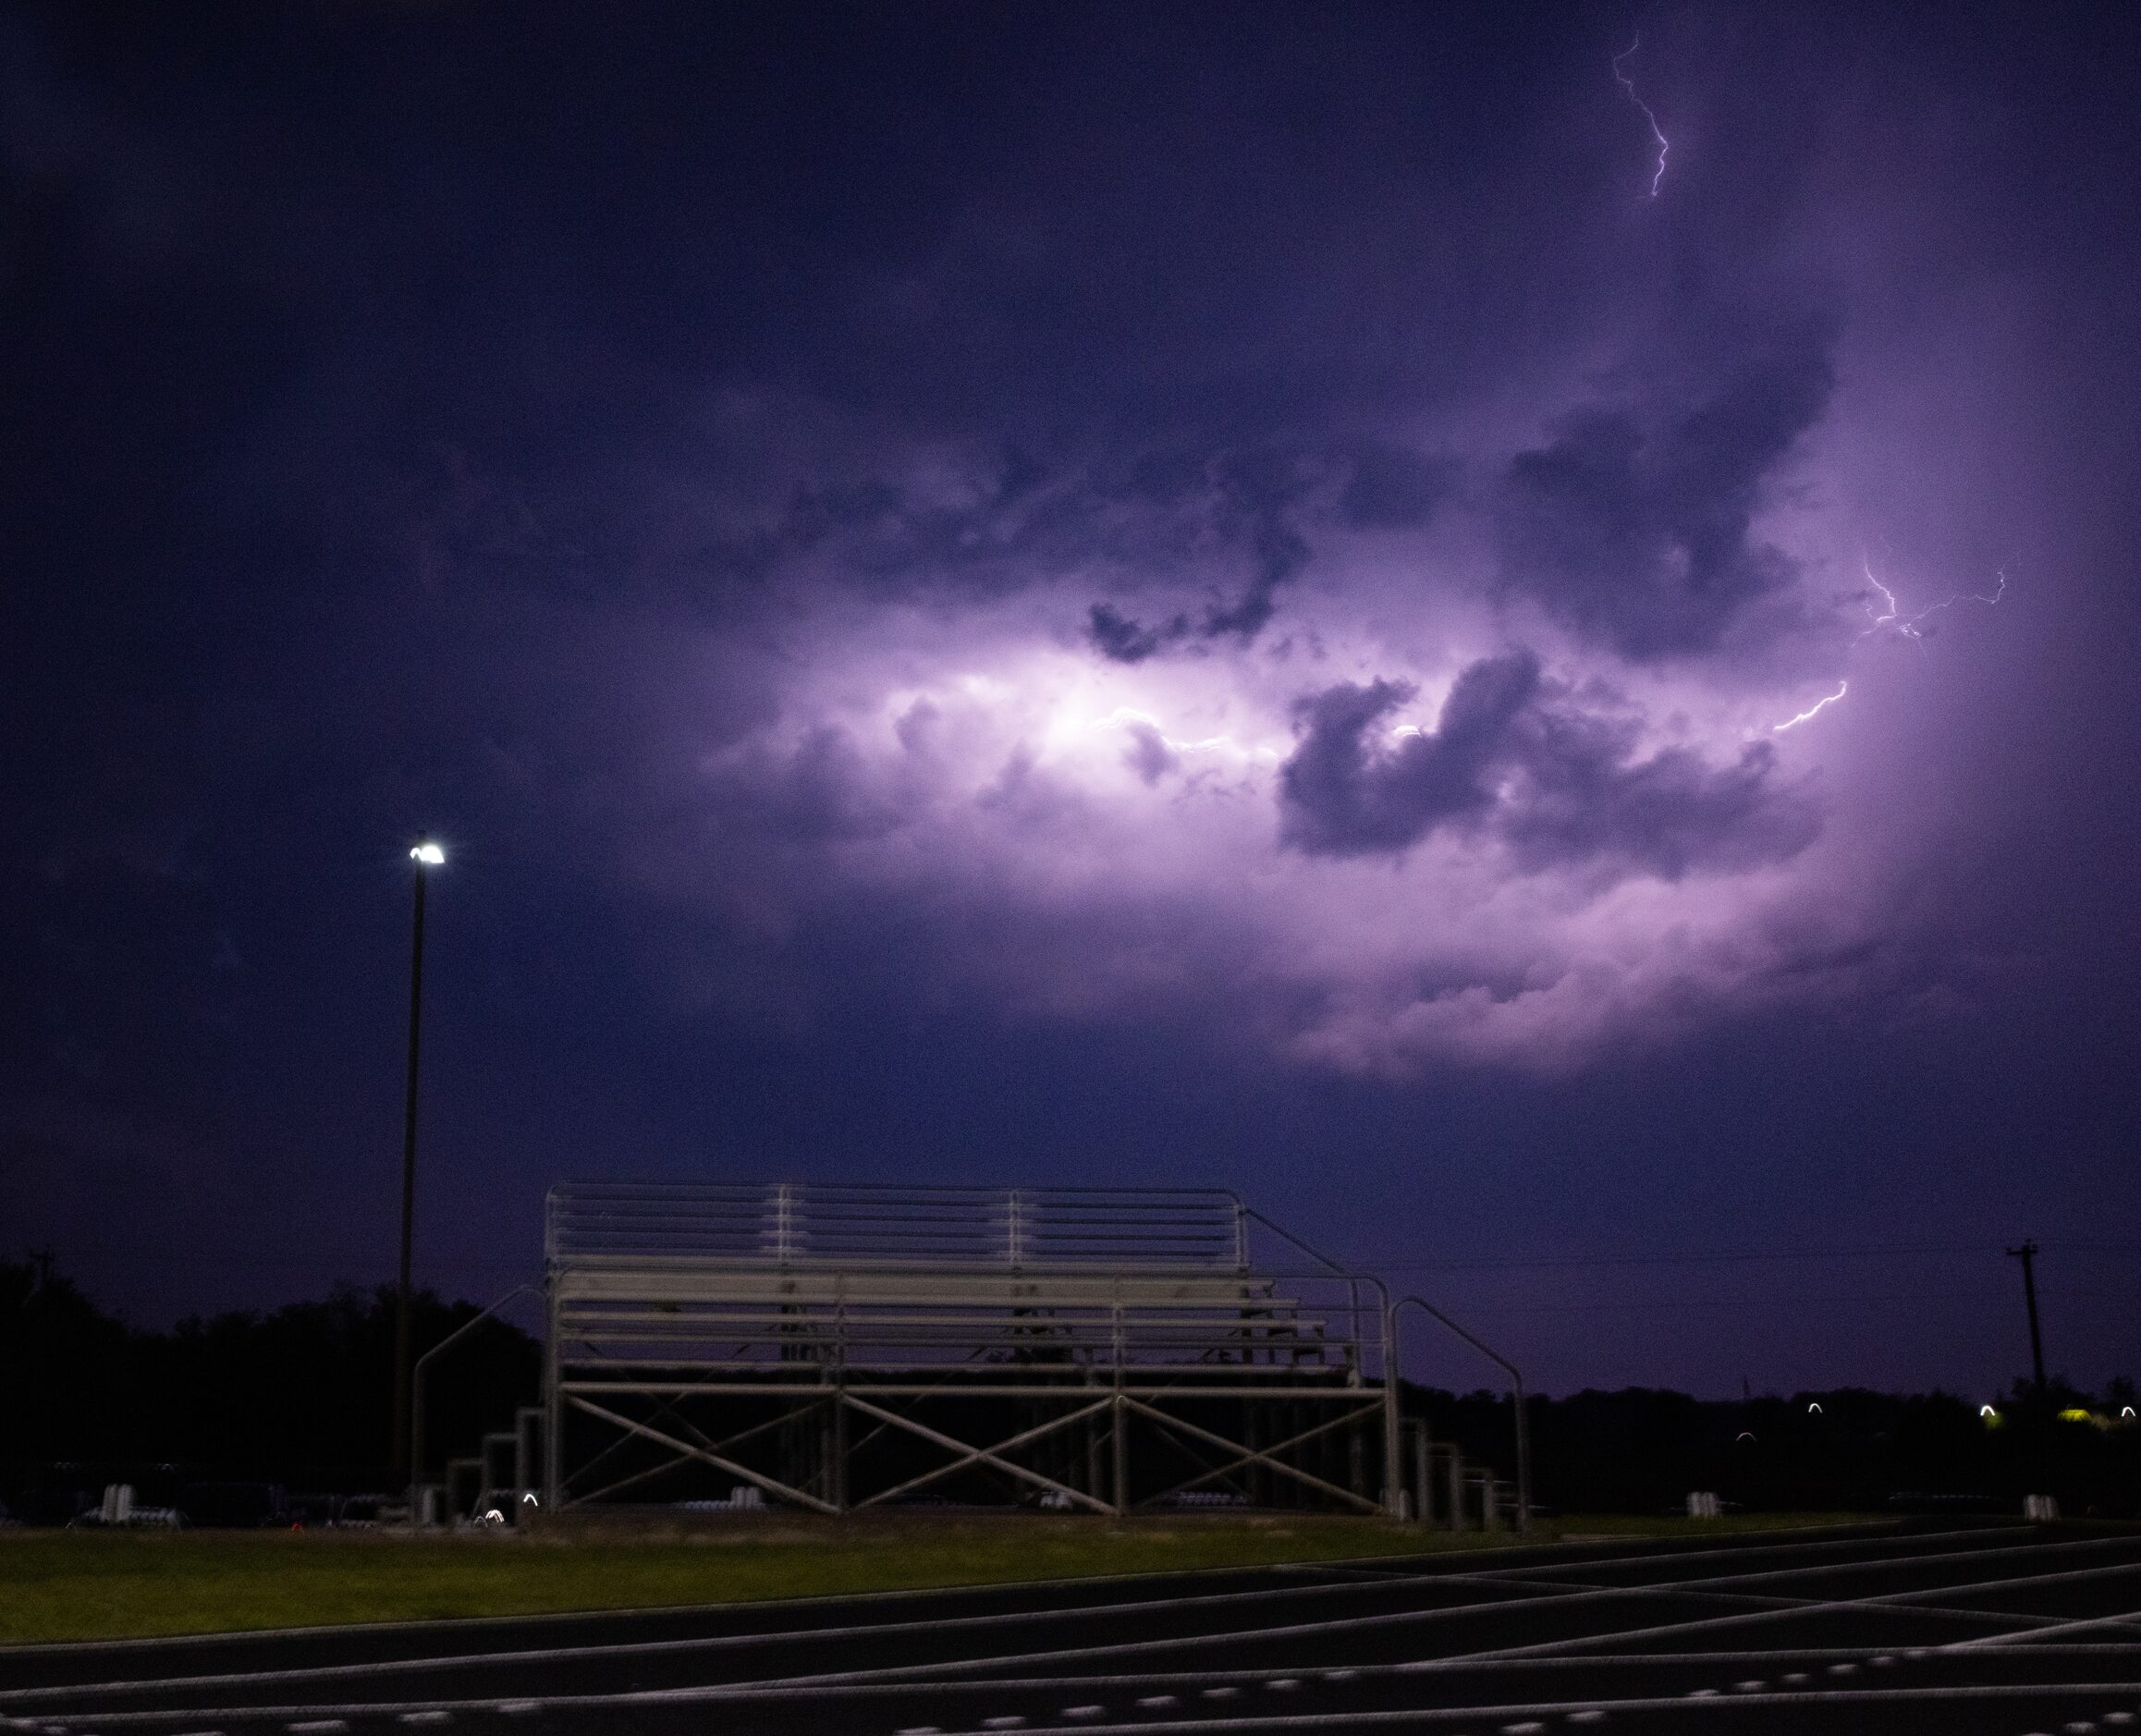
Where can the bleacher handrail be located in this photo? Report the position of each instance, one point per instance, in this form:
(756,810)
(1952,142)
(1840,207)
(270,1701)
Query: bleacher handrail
(857,1225)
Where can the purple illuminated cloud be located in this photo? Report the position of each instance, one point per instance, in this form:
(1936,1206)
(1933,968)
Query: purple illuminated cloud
(1365,837)
(1378,696)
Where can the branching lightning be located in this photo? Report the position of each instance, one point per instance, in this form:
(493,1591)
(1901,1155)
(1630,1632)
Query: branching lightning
(1909,626)
(1628,89)
(1890,614)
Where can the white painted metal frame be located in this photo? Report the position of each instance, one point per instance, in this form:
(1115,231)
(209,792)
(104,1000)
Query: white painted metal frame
(800,1313)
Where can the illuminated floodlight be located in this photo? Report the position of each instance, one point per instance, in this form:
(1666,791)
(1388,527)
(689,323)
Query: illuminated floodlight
(430,855)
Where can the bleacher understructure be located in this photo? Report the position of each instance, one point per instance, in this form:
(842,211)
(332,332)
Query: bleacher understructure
(837,1348)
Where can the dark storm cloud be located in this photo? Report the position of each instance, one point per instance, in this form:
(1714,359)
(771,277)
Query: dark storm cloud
(1148,754)
(1632,526)
(1394,487)
(1342,796)
(1258,491)
(1560,785)
(1242,503)
(1253,504)
(1121,639)
(1581,801)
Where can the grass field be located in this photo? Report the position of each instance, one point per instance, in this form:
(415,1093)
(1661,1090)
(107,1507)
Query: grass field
(88,1585)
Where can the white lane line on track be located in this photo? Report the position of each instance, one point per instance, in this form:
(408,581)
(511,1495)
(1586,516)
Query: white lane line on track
(1574,1710)
(1904,1601)
(1688,1593)
(1810,1537)
(1817,1569)
(1713,1553)
(730,1642)
(1847,1660)
(733,1642)
(2131,1617)
(951,1668)
(1598,1710)
(997,1687)
(1878,1557)
(849,1680)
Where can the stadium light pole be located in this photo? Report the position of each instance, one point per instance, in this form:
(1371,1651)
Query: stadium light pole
(426,855)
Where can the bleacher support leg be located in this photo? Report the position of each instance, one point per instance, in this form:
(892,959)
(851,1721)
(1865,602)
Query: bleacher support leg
(1120,1441)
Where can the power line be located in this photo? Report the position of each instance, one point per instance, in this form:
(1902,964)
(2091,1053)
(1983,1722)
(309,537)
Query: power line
(1741,1255)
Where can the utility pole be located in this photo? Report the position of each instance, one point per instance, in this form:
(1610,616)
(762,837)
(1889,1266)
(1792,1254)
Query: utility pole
(2026,1254)
(426,856)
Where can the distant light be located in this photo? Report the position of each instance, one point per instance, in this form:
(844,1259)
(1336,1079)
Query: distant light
(2126,1412)
(430,855)
(1986,1410)
(2073,1416)
(1813,1409)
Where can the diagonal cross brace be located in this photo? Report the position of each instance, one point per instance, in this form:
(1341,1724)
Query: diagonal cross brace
(1249,1455)
(687,1451)
(710,1446)
(970,1454)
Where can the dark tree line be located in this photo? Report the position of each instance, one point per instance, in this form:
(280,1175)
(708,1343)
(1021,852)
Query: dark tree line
(1641,1451)
(298,1396)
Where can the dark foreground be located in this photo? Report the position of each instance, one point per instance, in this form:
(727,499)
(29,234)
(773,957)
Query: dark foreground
(2008,1628)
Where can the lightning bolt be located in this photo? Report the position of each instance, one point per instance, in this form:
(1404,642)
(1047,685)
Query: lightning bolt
(1813,710)
(1124,715)
(1909,626)
(1628,89)
(1891,615)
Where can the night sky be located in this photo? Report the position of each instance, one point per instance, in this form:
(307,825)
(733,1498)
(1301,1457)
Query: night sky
(1273,596)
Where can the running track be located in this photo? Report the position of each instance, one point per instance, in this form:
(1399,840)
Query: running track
(2005,1629)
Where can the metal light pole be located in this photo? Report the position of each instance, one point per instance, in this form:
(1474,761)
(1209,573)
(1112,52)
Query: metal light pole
(426,856)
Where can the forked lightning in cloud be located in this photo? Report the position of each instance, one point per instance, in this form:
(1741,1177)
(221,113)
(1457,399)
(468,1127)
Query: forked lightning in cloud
(1908,626)
(1628,88)
(1890,616)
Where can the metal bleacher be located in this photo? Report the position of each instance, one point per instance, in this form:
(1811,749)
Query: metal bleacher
(841,1346)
